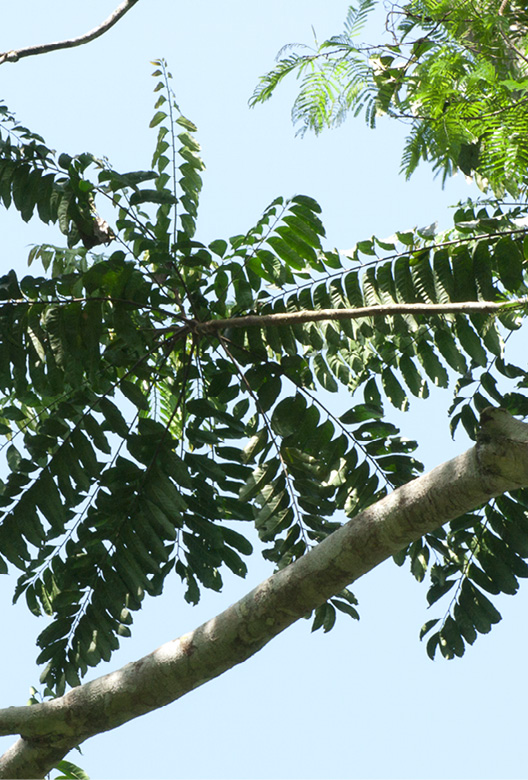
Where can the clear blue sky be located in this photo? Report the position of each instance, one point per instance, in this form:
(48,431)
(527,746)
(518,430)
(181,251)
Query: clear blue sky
(363,701)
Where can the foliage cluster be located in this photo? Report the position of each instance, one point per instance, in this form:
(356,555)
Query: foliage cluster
(456,73)
(142,440)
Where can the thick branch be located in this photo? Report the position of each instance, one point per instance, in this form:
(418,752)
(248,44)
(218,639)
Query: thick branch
(498,463)
(43,48)
(318,315)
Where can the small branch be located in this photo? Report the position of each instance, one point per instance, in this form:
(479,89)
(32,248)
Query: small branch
(507,40)
(44,48)
(301,317)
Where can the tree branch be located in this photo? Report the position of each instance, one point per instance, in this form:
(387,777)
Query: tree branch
(512,46)
(44,48)
(318,315)
(497,463)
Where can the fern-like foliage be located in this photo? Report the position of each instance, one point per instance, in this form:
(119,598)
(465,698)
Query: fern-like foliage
(456,73)
(334,77)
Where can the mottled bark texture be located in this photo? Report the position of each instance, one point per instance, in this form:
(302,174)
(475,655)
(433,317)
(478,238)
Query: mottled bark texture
(498,463)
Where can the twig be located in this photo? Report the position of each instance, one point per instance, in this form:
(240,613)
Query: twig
(44,48)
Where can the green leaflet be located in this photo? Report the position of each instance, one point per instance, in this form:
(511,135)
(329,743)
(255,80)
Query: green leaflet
(509,259)
(393,390)
(152,196)
(158,117)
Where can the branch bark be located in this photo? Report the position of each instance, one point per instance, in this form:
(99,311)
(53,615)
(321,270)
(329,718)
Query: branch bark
(497,463)
(44,48)
(318,315)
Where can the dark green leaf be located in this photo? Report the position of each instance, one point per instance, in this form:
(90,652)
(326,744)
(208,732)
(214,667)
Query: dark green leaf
(509,259)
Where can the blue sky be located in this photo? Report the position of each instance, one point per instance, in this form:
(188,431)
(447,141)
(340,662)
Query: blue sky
(363,701)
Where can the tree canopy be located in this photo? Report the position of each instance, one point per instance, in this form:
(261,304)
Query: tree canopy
(160,395)
(455,73)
